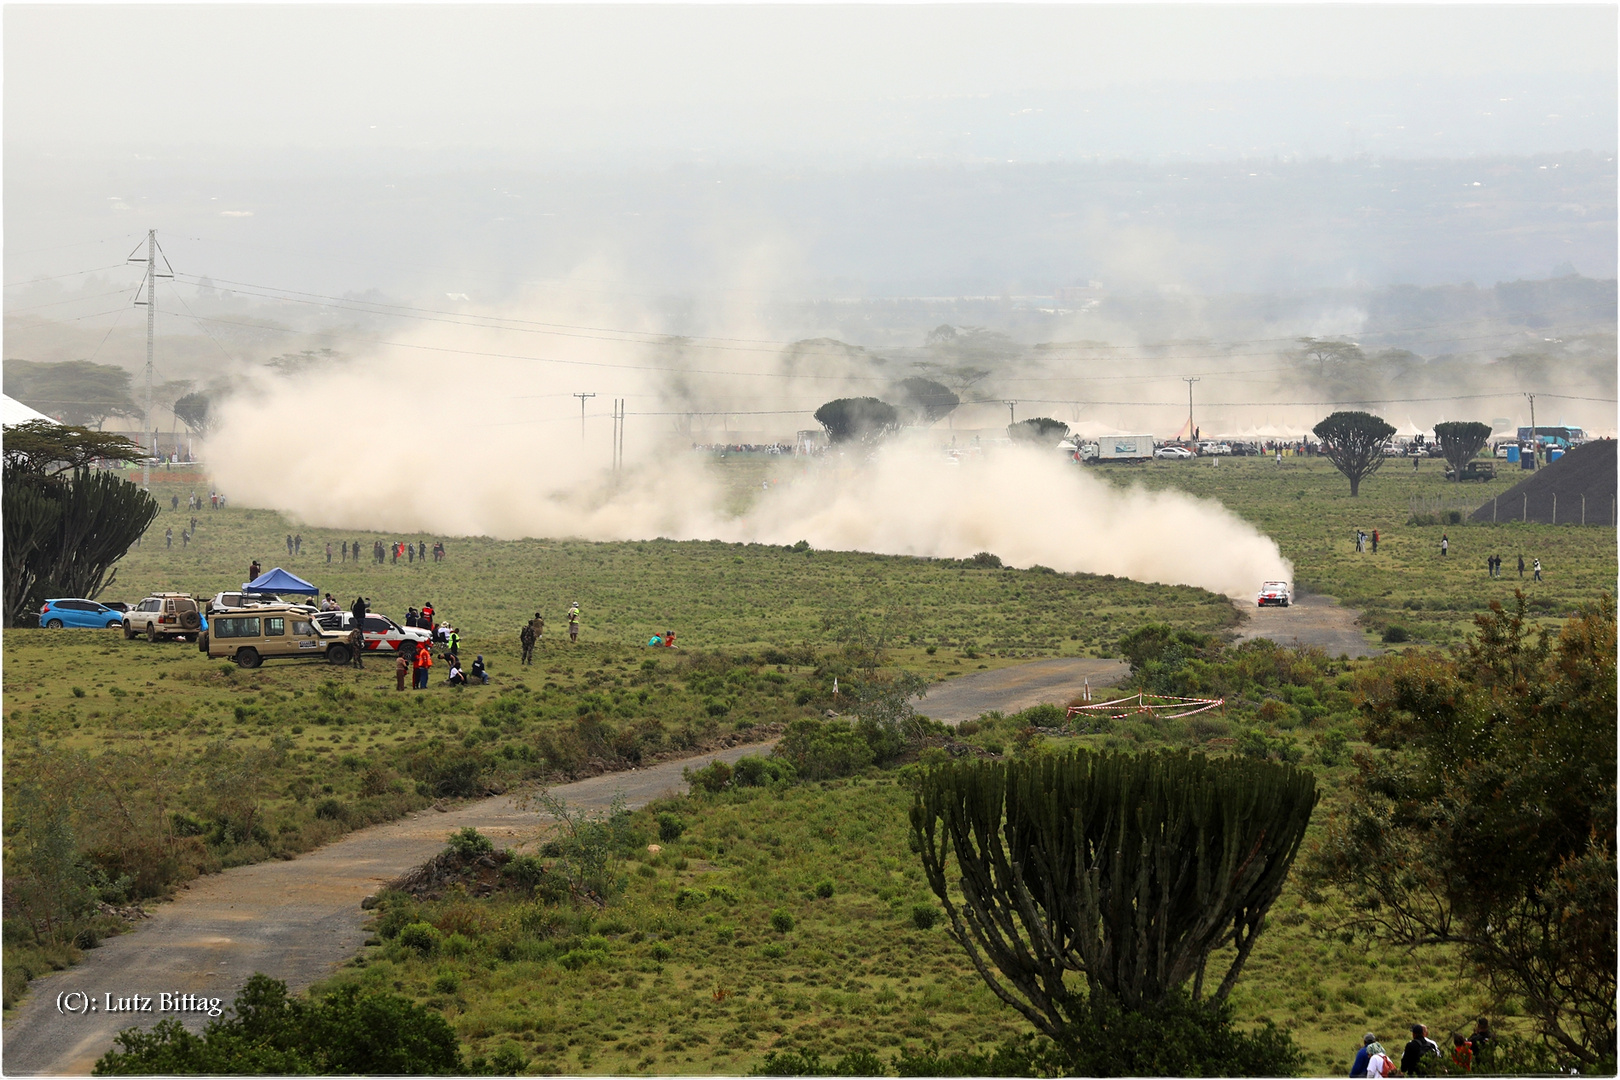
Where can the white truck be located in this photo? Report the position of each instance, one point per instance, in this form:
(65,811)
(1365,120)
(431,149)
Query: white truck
(1123,448)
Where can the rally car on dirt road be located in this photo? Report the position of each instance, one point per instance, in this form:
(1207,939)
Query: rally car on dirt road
(1276,594)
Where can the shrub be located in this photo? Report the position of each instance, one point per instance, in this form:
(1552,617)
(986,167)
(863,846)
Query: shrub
(823,750)
(781,921)
(469,843)
(760,772)
(774,951)
(1395,634)
(524,871)
(331,810)
(670,827)
(421,936)
(713,777)
(924,916)
(824,889)
(660,951)
(446,981)
(808,1063)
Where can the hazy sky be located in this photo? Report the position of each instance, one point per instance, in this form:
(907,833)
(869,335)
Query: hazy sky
(753,81)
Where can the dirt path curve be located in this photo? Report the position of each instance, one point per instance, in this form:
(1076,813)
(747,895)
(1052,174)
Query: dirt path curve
(294,921)
(1311,620)
(1011,689)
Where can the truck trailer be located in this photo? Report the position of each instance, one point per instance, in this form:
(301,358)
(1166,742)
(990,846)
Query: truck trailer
(1124,448)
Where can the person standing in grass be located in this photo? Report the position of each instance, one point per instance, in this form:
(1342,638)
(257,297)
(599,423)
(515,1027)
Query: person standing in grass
(573,622)
(402,668)
(1521,566)
(1358,1067)
(526,640)
(1379,1063)
(168,537)
(423,661)
(1445,543)
(1537,571)
(1375,541)
(329,553)
(357,643)
(1414,1058)
(1462,1055)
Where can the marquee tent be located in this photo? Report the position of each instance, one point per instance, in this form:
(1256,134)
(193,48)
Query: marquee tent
(279,581)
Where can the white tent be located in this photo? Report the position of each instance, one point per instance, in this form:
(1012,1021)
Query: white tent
(13,411)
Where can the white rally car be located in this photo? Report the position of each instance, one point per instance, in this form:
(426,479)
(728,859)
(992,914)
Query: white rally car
(382,634)
(1277,593)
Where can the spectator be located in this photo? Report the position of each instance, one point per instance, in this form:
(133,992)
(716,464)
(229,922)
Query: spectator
(402,668)
(423,661)
(456,677)
(1521,566)
(1379,1063)
(1462,1055)
(168,534)
(1375,541)
(526,640)
(1418,1050)
(1481,1042)
(1358,1067)
(479,671)
(1536,573)
(329,553)
(1445,543)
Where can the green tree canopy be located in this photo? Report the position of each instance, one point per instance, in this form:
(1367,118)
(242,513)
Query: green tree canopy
(40,449)
(1487,817)
(1039,429)
(193,411)
(1354,441)
(73,391)
(865,419)
(1128,869)
(1459,441)
(923,400)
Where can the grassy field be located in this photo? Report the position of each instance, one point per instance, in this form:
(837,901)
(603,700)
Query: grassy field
(1305,505)
(686,974)
(213,766)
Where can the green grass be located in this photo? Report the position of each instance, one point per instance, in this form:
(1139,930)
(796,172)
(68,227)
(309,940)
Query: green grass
(1305,505)
(684,974)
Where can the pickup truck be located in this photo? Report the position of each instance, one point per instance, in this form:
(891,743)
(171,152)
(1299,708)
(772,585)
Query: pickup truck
(1474,470)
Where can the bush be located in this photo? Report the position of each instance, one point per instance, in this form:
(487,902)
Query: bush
(670,827)
(808,1063)
(823,750)
(331,810)
(924,916)
(469,843)
(760,772)
(1395,634)
(781,921)
(348,1032)
(824,889)
(421,936)
(713,777)
(1176,1037)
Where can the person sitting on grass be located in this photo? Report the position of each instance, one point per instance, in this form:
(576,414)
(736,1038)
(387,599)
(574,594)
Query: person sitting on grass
(669,639)
(456,677)
(479,671)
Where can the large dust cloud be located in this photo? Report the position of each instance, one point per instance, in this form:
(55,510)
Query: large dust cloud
(451,432)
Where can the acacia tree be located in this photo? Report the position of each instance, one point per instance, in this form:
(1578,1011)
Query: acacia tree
(1487,818)
(193,412)
(1127,869)
(1039,429)
(76,391)
(1459,441)
(865,419)
(1354,442)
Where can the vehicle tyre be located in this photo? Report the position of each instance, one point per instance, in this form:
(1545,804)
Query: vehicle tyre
(151,632)
(190,620)
(202,643)
(113,624)
(54,624)
(338,655)
(129,631)
(247,657)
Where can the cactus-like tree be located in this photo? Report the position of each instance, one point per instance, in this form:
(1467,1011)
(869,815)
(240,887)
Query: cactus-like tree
(1459,441)
(1126,870)
(1354,441)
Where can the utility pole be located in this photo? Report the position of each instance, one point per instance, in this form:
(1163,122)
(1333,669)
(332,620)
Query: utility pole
(150,428)
(1189,380)
(1010,418)
(1535,442)
(582,398)
(618,434)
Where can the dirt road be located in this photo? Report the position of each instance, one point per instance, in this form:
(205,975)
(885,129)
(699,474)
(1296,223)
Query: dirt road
(294,921)
(1310,620)
(1011,689)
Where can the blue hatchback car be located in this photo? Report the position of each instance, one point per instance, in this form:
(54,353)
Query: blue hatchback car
(55,614)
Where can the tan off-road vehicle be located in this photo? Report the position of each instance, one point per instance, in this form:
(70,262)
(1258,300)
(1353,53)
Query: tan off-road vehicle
(253,635)
(164,615)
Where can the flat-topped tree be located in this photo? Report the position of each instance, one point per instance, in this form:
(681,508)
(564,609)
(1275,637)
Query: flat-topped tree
(1459,441)
(1354,442)
(1040,429)
(1129,870)
(864,419)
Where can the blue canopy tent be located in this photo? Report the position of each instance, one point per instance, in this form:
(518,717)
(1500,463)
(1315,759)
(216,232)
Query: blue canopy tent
(277,581)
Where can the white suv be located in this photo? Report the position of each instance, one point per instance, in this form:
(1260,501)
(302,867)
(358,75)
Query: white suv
(165,615)
(382,634)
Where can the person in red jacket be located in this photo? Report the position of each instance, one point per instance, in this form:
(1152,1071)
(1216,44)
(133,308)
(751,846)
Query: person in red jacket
(424,661)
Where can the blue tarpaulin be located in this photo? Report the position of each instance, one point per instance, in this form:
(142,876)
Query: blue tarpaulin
(279,581)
